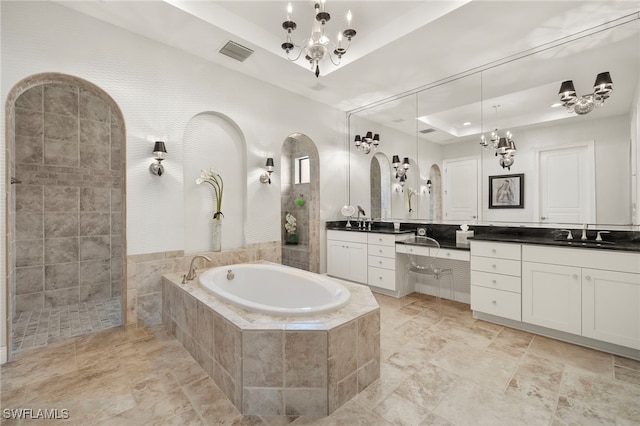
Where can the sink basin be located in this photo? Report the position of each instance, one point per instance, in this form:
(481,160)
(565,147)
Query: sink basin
(585,243)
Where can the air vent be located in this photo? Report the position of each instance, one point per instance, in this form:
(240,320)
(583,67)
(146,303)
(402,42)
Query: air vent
(398,120)
(236,51)
(425,131)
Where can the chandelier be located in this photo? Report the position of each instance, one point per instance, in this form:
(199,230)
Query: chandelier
(581,105)
(317,47)
(504,145)
(368,141)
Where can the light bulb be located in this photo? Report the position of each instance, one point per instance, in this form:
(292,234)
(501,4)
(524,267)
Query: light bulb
(289,10)
(349,17)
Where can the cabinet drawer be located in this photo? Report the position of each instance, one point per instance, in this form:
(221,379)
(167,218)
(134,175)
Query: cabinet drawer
(411,249)
(454,254)
(382,262)
(351,236)
(496,302)
(497,250)
(382,239)
(384,251)
(612,260)
(496,281)
(383,278)
(498,266)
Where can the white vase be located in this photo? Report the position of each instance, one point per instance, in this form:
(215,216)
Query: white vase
(216,235)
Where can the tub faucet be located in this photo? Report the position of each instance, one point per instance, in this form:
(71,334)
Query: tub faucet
(192,269)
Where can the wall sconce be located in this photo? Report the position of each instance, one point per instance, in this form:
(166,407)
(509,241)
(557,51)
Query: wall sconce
(429,185)
(401,171)
(266,177)
(367,142)
(159,150)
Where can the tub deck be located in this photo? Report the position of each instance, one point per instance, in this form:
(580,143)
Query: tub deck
(269,365)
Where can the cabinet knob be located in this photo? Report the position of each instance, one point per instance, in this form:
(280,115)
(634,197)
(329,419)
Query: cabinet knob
(588,278)
(494,266)
(494,302)
(379,278)
(380,251)
(493,282)
(493,250)
(575,276)
(448,254)
(380,262)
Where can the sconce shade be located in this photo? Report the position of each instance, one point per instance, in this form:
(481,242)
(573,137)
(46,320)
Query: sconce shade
(159,149)
(269,164)
(405,163)
(429,183)
(369,136)
(358,139)
(604,78)
(603,86)
(396,160)
(567,89)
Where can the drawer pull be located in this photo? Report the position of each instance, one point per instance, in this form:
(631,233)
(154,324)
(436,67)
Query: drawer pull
(575,276)
(380,262)
(493,250)
(588,278)
(493,282)
(379,251)
(494,266)
(494,302)
(448,254)
(380,239)
(379,278)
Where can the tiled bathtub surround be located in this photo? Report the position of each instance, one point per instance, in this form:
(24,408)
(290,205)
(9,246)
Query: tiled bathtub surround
(145,271)
(278,366)
(67,223)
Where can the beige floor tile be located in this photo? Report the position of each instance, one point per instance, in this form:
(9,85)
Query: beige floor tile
(471,404)
(487,369)
(427,387)
(210,402)
(398,410)
(574,356)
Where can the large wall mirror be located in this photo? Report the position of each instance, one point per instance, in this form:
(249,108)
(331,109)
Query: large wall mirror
(573,168)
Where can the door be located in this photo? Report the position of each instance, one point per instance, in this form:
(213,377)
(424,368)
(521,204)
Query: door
(337,259)
(461,189)
(611,307)
(567,184)
(551,296)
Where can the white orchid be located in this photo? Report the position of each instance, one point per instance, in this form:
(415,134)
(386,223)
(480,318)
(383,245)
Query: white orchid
(410,193)
(290,226)
(214,179)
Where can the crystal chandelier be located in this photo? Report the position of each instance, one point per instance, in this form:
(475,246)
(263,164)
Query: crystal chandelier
(602,89)
(317,47)
(504,145)
(368,141)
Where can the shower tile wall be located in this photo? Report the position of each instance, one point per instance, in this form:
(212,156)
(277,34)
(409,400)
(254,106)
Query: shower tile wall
(68,204)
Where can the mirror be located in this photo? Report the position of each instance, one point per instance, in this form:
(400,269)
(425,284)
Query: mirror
(553,145)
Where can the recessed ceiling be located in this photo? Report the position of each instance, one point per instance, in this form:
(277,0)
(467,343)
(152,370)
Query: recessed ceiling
(399,46)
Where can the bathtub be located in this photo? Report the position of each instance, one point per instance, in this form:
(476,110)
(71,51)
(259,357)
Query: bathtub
(275,289)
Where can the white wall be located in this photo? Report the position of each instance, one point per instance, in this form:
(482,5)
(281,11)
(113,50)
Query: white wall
(611,137)
(159,89)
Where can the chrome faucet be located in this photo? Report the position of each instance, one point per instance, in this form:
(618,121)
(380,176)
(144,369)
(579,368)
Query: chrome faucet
(584,231)
(192,270)
(569,234)
(360,211)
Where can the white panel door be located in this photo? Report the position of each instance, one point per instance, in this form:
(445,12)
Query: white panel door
(551,296)
(611,307)
(567,185)
(461,189)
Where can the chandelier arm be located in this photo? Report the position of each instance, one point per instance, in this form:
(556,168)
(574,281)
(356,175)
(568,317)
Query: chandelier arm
(297,57)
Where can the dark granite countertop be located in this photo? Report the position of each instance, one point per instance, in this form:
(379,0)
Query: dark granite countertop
(624,245)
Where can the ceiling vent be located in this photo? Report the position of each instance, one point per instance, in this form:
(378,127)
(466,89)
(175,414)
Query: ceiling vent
(425,131)
(236,51)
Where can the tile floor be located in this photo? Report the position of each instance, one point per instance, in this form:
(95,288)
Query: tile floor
(41,327)
(440,366)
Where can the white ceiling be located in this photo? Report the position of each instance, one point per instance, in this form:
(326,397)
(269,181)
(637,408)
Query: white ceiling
(404,45)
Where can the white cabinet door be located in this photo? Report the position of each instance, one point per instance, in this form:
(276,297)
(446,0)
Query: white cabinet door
(551,296)
(611,307)
(461,189)
(347,260)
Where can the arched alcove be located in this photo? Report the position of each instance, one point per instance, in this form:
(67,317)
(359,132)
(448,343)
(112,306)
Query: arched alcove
(213,140)
(65,207)
(301,198)
(380,172)
(435,199)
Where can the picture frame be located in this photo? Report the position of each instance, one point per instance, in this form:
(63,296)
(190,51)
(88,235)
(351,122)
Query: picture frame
(506,191)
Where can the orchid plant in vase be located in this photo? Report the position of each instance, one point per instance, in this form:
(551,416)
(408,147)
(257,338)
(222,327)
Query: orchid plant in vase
(214,179)
(290,227)
(410,193)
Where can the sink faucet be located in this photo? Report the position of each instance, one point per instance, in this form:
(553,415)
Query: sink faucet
(192,270)
(584,231)
(360,211)
(569,234)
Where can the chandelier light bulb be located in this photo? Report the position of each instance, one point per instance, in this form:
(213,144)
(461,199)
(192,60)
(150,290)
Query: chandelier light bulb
(349,17)
(289,11)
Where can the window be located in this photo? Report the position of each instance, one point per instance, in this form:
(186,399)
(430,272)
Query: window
(302,170)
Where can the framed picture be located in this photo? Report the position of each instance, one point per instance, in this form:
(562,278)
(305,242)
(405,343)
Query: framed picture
(506,191)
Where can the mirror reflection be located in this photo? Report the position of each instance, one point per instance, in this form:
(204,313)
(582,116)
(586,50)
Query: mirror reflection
(573,151)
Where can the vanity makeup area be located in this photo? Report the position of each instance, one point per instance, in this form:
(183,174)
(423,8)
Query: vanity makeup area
(574,174)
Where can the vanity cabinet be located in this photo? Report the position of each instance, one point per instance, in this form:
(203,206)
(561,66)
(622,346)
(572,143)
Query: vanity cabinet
(592,293)
(381,271)
(347,255)
(496,279)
